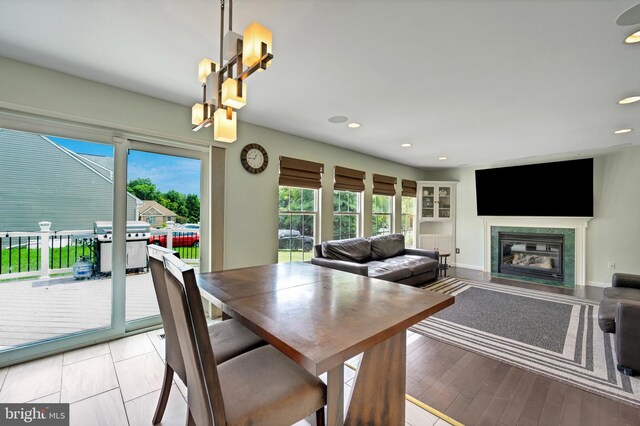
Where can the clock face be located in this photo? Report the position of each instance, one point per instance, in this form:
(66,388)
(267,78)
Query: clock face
(254,158)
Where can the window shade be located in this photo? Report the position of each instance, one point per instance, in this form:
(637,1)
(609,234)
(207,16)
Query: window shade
(384,185)
(348,179)
(300,173)
(409,188)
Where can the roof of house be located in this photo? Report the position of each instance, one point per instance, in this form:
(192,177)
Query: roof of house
(150,204)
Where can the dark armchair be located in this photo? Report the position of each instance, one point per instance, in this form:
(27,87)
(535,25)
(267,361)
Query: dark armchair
(620,314)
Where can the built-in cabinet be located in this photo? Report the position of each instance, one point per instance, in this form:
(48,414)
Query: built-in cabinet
(436,216)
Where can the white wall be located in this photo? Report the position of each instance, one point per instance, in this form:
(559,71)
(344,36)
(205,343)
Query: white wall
(613,233)
(251,215)
(25,87)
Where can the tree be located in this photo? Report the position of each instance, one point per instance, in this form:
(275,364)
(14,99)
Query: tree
(186,207)
(192,203)
(143,188)
(296,200)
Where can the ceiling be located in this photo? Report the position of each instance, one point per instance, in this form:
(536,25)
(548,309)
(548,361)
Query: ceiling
(478,81)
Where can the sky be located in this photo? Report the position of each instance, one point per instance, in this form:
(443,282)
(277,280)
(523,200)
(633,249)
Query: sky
(165,171)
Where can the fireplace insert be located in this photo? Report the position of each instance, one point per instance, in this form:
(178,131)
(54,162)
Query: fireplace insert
(531,255)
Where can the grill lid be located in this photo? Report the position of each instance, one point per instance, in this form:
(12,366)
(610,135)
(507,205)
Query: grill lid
(106,227)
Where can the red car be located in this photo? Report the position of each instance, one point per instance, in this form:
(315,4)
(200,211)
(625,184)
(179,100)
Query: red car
(180,239)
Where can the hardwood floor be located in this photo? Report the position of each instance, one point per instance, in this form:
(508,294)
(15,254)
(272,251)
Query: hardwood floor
(117,383)
(477,390)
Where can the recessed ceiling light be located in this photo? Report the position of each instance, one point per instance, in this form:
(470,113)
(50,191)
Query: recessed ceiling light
(405,145)
(338,119)
(442,158)
(630,16)
(629,100)
(354,125)
(633,38)
(617,132)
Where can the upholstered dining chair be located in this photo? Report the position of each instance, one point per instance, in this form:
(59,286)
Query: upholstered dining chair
(230,337)
(261,387)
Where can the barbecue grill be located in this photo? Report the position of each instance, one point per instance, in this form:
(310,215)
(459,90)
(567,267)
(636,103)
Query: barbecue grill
(138,234)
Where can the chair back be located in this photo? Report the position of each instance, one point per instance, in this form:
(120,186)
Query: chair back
(173,355)
(204,397)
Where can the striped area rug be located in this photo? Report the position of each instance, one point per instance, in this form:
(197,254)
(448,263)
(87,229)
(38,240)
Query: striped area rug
(553,335)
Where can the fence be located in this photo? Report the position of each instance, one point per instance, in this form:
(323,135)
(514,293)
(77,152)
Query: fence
(22,254)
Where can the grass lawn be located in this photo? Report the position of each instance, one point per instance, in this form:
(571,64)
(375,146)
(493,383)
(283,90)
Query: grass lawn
(28,259)
(294,256)
(188,252)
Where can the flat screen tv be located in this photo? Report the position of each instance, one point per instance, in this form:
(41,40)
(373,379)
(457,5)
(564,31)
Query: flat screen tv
(563,188)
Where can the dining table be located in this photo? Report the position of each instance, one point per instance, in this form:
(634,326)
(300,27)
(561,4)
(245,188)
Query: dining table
(320,318)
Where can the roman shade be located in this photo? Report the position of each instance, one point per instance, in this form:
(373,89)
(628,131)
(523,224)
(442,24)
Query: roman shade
(348,179)
(384,185)
(409,188)
(300,173)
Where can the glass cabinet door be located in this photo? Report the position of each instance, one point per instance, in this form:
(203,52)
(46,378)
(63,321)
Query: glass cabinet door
(444,202)
(428,202)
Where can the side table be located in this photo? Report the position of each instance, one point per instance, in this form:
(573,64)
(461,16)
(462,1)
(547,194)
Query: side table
(443,266)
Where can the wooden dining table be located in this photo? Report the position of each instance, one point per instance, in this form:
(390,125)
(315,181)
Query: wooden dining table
(320,318)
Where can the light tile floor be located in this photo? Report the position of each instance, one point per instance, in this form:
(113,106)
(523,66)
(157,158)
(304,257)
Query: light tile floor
(118,383)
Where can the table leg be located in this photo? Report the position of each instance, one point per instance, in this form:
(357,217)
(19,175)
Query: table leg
(446,266)
(335,396)
(380,385)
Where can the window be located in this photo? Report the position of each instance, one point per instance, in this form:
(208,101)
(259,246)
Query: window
(348,185)
(381,214)
(384,191)
(346,214)
(408,220)
(298,213)
(409,192)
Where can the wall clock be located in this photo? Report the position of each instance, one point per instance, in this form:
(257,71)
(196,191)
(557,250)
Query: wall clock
(254,158)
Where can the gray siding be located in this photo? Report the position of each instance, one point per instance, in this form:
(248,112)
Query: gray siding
(39,181)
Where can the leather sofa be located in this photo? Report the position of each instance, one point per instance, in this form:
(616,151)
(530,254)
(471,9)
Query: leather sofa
(383,257)
(620,314)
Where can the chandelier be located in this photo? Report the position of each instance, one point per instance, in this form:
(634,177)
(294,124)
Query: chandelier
(223,87)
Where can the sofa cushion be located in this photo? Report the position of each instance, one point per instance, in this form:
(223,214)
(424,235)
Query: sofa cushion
(353,249)
(622,293)
(416,264)
(384,246)
(387,271)
(607,315)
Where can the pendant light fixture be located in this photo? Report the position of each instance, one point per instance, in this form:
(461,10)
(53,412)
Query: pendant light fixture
(223,86)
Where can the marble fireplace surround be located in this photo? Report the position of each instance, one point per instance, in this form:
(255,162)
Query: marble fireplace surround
(578,224)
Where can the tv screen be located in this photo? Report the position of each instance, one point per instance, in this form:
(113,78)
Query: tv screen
(564,188)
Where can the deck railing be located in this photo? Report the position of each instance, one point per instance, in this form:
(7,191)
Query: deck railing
(22,254)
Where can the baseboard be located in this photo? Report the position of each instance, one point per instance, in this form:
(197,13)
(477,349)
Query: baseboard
(598,284)
(462,265)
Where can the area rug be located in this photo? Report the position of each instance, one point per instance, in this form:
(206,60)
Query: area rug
(553,335)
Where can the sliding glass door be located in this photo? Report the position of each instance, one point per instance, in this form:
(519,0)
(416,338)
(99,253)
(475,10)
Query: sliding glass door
(53,192)
(167,192)
(73,236)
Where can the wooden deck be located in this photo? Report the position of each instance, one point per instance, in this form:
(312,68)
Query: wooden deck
(31,311)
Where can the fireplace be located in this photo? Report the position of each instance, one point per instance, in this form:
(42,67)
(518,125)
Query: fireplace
(531,255)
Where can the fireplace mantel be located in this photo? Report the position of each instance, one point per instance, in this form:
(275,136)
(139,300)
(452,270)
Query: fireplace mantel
(580,225)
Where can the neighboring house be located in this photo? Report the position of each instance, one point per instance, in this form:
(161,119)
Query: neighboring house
(156,214)
(43,181)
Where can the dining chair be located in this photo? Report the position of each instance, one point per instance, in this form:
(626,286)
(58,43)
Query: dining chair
(260,387)
(230,337)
